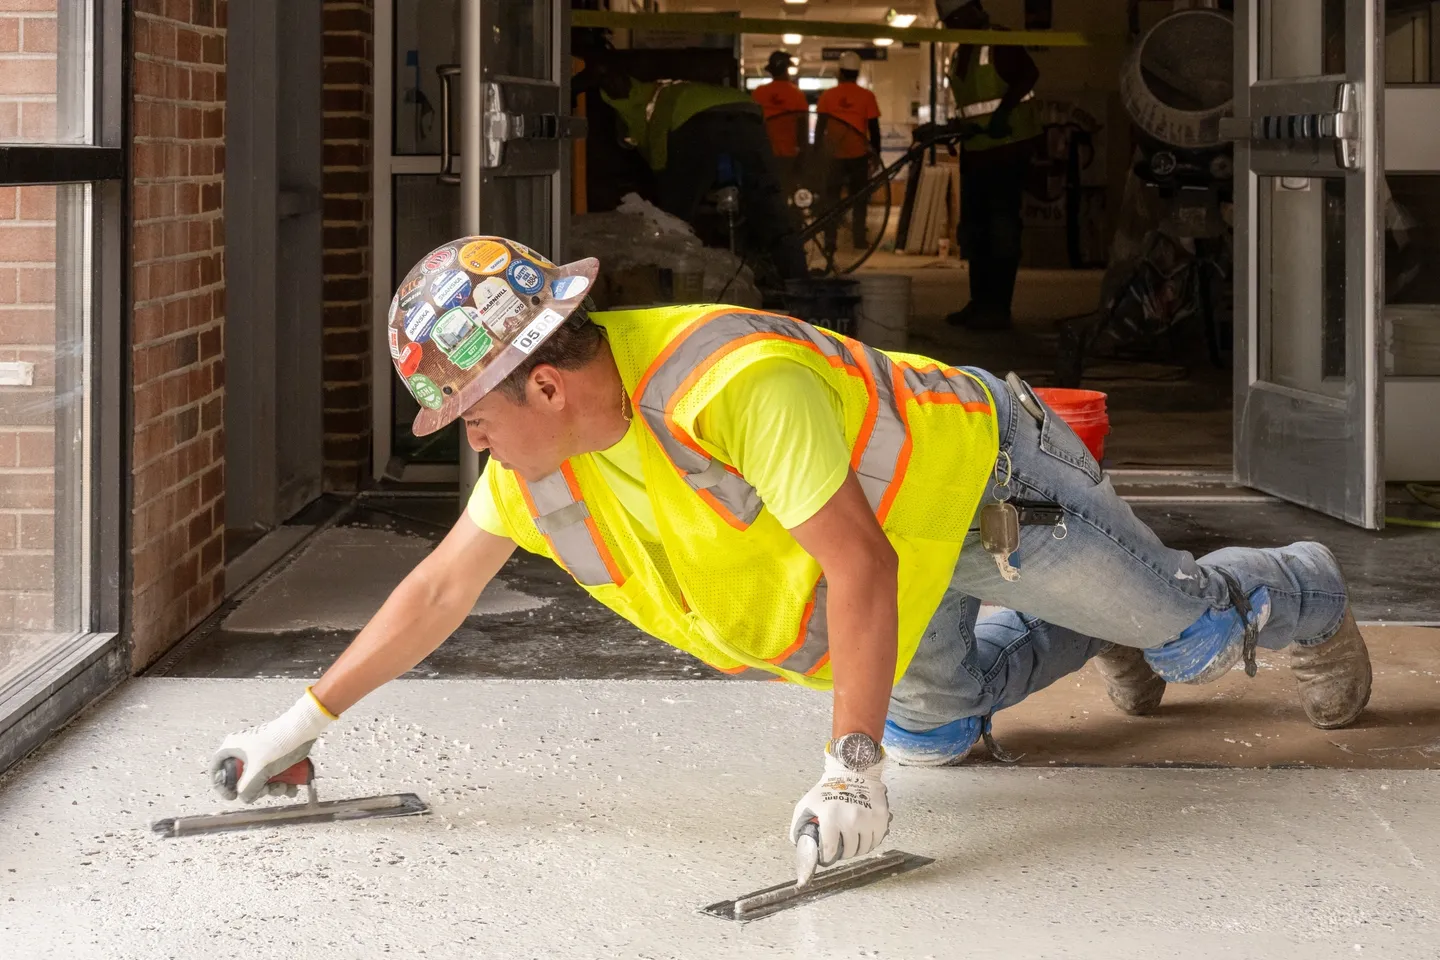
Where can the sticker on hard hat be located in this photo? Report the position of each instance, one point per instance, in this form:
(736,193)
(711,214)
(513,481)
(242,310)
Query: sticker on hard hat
(525,277)
(423,389)
(419,321)
(484,256)
(526,251)
(460,336)
(449,289)
(395,342)
(410,292)
(499,309)
(438,259)
(567,288)
(533,335)
(410,359)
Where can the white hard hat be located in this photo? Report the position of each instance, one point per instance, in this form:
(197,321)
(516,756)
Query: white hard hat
(850,60)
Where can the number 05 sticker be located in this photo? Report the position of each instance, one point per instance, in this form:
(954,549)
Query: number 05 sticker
(539,328)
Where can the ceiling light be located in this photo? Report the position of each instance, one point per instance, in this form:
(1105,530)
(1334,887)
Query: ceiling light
(883,41)
(792,2)
(899,20)
(791,39)
(794,70)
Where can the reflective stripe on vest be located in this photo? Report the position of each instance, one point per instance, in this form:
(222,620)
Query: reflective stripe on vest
(561,516)
(881,450)
(973,110)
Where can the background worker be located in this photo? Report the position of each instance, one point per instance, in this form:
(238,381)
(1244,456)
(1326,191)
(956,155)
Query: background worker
(847,117)
(993,89)
(787,119)
(699,137)
(806,510)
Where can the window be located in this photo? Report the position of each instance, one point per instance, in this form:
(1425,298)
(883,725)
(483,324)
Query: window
(62,322)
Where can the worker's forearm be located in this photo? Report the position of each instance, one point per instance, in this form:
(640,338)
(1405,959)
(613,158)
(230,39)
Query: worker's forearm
(864,634)
(416,619)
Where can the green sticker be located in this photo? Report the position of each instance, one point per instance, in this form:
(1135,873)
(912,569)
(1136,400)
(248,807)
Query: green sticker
(423,389)
(471,350)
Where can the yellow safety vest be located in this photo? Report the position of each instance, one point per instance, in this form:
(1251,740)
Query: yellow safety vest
(729,584)
(652,111)
(978,94)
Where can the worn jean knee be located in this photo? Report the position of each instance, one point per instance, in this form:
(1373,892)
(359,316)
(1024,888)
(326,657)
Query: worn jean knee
(1209,647)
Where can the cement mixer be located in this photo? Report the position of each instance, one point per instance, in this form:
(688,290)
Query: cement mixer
(1170,256)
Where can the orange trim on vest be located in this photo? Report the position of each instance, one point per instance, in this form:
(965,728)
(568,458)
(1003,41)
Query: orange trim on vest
(606,557)
(902,462)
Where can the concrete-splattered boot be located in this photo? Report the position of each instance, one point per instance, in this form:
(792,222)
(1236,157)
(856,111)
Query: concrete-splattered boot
(1134,688)
(1334,676)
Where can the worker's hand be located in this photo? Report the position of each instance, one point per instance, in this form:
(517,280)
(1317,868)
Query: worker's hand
(852,809)
(999,127)
(269,749)
(925,132)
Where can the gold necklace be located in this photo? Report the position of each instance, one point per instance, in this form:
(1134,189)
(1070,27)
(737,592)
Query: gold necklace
(625,404)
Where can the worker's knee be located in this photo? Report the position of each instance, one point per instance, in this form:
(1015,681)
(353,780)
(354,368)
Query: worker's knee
(1209,647)
(939,747)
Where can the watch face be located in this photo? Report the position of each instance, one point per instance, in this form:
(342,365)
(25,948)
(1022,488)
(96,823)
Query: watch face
(857,751)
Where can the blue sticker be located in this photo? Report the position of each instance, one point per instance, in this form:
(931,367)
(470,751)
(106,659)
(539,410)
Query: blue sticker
(449,289)
(525,277)
(567,288)
(419,321)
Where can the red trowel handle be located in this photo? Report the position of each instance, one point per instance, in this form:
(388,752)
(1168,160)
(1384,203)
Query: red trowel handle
(299,774)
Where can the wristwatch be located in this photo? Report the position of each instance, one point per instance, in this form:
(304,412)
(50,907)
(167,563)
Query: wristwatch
(856,751)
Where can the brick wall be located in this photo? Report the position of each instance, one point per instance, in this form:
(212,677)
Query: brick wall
(349,208)
(28,333)
(177,548)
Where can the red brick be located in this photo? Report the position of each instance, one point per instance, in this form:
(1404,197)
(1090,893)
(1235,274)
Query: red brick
(9,444)
(9,202)
(37,203)
(213,50)
(9,537)
(27,491)
(27,326)
(35,448)
(9,35)
(36,284)
(149,82)
(34,77)
(187,46)
(37,121)
(37,531)
(9,285)
(38,35)
(9,122)
(27,243)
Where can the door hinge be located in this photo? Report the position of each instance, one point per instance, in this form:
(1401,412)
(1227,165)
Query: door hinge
(500,126)
(1341,125)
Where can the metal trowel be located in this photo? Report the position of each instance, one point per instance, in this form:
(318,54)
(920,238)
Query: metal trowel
(313,810)
(810,885)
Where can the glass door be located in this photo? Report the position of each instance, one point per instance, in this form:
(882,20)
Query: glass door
(474,142)
(1309,248)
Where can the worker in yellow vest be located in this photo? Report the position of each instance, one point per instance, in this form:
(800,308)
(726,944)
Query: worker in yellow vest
(993,89)
(788,504)
(699,137)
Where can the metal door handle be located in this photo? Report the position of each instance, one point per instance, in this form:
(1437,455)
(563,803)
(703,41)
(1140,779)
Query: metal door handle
(502,127)
(446,71)
(1341,125)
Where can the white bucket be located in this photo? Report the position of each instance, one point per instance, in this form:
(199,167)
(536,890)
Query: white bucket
(884,310)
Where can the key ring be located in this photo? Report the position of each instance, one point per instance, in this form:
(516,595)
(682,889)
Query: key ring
(1060,531)
(1002,487)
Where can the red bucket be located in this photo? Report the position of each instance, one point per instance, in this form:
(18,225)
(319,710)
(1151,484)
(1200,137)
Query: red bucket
(1084,411)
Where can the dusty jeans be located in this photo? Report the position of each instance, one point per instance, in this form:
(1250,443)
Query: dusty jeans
(1109,579)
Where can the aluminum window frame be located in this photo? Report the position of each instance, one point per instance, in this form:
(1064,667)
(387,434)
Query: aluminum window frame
(75,672)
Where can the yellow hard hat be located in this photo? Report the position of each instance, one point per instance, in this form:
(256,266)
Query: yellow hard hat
(469,313)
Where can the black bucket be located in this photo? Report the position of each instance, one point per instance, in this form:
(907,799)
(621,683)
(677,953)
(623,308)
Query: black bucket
(830,303)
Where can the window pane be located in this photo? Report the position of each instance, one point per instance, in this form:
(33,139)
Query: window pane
(1301,38)
(46,88)
(1301,243)
(45,342)
(427,35)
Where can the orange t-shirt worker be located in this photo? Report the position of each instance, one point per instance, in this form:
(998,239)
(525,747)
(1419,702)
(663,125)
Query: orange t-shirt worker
(854,107)
(784,104)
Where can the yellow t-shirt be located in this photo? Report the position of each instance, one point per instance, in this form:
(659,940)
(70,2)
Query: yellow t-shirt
(777,422)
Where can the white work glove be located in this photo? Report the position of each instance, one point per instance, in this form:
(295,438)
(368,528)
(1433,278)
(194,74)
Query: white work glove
(271,748)
(852,808)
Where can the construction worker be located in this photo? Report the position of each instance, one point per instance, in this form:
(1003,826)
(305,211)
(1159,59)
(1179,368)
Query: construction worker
(787,118)
(698,137)
(848,116)
(786,503)
(993,89)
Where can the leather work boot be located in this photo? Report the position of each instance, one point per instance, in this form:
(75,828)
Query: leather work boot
(1134,688)
(1334,676)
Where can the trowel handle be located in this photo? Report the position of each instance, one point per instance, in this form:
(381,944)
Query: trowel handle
(299,774)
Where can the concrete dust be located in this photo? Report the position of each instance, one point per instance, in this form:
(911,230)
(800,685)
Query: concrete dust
(563,828)
(342,578)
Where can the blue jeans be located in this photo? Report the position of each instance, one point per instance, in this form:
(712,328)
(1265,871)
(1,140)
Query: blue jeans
(1104,578)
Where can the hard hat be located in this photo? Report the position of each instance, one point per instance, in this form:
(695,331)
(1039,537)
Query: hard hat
(469,313)
(943,8)
(779,61)
(850,60)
